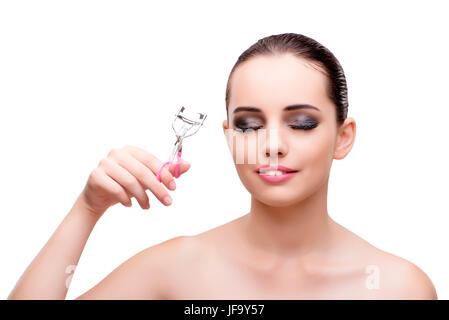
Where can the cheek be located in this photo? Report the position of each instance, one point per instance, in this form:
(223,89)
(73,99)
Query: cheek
(315,156)
(311,154)
(244,149)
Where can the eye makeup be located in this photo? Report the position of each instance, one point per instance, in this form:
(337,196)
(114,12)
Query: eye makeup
(244,123)
(298,122)
(304,122)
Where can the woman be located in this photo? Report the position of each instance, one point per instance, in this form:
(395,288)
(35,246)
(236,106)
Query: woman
(291,91)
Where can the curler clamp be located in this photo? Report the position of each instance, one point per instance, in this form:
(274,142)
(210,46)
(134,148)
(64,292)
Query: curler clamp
(184,125)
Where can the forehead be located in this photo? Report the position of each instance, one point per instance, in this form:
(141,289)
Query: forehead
(277,81)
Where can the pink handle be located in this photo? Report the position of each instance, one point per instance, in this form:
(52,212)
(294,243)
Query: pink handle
(178,162)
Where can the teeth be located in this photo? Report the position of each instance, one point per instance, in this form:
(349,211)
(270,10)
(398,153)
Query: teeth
(272,173)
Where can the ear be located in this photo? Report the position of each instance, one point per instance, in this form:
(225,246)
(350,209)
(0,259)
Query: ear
(229,135)
(345,138)
(225,125)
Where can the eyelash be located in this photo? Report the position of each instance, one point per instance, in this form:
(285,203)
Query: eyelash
(248,128)
(301,127)
(308,126)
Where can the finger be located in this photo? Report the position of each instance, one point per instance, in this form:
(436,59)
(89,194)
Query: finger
(127,181)
(112,187)
(153,163)
(184,165)
(144,175)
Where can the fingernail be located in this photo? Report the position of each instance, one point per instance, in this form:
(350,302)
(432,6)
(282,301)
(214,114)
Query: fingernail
(167,200)
(172,185)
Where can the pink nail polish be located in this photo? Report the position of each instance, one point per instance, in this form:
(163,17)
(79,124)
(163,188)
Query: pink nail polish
(167,200)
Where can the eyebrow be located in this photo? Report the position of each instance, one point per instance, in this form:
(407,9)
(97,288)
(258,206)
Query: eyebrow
(287,108)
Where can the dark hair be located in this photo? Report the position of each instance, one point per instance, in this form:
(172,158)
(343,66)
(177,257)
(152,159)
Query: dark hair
(309,49)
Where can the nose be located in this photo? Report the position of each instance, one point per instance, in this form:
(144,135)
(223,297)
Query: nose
(275,146)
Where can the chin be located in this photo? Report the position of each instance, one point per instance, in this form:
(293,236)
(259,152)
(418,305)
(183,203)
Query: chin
(277,195)
(277,198)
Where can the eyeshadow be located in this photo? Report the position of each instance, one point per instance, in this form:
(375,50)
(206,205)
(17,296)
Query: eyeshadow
(247,121)
(303,119)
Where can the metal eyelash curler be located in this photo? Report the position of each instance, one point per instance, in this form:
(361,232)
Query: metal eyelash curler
(184,125)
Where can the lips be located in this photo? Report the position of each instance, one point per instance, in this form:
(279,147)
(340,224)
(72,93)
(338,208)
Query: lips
(278,168)
(275,174)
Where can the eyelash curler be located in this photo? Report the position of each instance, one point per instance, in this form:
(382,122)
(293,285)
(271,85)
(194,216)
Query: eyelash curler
(184,125)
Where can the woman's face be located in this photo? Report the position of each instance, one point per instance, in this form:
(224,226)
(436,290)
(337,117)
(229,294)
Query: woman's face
(301,138)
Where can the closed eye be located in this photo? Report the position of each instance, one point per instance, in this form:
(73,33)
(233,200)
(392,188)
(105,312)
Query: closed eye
(306,126)
(301,123)
(244,129)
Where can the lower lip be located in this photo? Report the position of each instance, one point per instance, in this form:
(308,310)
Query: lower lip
(279,178)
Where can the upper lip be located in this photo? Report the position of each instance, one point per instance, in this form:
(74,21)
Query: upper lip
(280,168)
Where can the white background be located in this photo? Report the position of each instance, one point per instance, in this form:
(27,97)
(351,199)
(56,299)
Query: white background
(78,78)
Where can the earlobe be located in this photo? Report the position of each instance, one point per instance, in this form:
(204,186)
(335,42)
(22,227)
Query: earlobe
(346,138)
(225,125)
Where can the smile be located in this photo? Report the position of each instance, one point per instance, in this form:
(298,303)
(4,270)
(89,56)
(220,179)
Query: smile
(276,173)
(276,177)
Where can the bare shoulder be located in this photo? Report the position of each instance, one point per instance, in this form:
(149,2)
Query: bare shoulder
(171,253)
(174,260)
(145,275)
(177,261)
(402,279)
(181,251)
(388,276)
(170,246)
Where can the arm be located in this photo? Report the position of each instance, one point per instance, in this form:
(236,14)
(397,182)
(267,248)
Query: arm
(45,277)
(126,172)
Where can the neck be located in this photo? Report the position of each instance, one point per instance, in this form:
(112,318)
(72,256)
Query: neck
(296,229)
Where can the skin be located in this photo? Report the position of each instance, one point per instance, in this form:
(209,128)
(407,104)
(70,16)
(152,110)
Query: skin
(286,247)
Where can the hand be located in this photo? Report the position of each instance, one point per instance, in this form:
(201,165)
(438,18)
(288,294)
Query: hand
(125,173)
